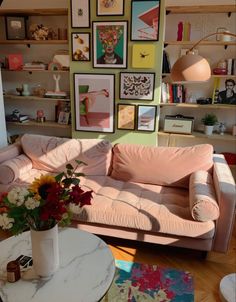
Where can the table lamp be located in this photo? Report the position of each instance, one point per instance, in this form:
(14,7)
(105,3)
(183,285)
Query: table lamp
(192,67)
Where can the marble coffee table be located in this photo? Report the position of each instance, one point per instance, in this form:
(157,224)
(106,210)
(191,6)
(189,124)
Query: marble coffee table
(86,270)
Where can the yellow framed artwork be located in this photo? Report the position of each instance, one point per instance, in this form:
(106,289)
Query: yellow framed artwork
(126,117)
(143,55)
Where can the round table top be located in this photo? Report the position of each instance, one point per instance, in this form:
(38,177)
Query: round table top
(228,288)
(86,270)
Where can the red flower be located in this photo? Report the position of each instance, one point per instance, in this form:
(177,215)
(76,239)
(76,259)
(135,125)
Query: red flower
(78,196)
(54,192)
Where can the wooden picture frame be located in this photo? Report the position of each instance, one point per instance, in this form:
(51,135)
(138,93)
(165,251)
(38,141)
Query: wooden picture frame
(80,13)
(15,27)
(94,96)
(80,43)
(110,7)
(126,116)
(63,118)
(110,44)
(224,91)
(145,19)
(137,86)
(146,118)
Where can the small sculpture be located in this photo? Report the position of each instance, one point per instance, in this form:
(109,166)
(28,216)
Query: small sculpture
(222,128)
(57,79)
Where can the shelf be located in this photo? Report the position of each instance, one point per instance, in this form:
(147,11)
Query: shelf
(190,105)
(27,42)
(35,12)
(196,134)
(32,98)
(213,75)
(201,9)
(203,43)
(48,124)
(31,71)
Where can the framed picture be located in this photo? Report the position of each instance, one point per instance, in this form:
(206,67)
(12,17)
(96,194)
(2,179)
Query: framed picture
(94,102)
(80,13)
(110,7)
(145,17)
(80,46)
(126,117)
(143,55)
(110,44)
(137,86)
(63,118)
(15,28)
(224,91)
(146,118)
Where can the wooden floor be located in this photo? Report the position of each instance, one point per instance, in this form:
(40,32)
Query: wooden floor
(207,273)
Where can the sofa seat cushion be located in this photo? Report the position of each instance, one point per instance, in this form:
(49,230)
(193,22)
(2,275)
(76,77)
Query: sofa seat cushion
(142,206)
(53,153)
(165,166)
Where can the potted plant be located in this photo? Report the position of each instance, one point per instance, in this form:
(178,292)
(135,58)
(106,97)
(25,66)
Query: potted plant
(209,120)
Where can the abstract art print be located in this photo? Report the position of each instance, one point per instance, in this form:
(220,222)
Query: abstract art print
(94,102)
(110,44)
(80,14)
(80,46)
(146,118)
(126,116)
(110,7)
(137,86)
(145,17)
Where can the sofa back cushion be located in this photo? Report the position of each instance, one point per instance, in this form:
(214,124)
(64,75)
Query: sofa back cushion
(53,153)
(167,166)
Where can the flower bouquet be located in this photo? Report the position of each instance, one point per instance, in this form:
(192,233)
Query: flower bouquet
(45,203)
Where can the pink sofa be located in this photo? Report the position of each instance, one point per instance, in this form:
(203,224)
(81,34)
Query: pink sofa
(173,196)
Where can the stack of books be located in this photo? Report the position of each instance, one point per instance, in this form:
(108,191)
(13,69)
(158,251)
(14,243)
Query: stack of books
(56,94)
(22,118)
(34,66)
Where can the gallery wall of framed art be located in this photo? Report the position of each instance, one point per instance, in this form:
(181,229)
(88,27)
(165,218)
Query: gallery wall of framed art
(116,51)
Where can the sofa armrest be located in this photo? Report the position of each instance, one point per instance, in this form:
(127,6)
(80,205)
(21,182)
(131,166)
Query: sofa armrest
(225,191)
(14,168)
(10,152)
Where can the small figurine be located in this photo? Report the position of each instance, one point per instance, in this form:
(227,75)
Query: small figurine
(57,79)
(222,128)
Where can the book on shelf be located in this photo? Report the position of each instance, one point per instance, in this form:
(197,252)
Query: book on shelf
(172,93)
(166,63)
(14,118)
(34,66)
(56,94)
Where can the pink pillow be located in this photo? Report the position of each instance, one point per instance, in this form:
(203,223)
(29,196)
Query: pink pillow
(202,197)
(10,151)
(12,169)
(167,166)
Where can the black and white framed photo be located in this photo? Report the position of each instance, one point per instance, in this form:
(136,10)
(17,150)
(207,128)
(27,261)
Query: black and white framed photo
(224,91)
(126,116)
(110,44)
(145,19)
(110,7)
(146,118)
(137,85)
(80,13)
(94,102)
(15,28)
(80,43)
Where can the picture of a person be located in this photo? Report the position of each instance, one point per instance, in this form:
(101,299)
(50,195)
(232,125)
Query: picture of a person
(228,96)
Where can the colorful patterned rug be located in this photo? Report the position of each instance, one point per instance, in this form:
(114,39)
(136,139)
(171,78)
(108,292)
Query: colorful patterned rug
(136,282)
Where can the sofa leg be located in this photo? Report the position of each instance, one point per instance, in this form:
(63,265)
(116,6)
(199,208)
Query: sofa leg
(204,255)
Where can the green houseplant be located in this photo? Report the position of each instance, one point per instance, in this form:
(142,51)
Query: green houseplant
(209,120)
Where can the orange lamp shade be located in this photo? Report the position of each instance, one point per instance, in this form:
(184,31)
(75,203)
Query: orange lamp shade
(191,68)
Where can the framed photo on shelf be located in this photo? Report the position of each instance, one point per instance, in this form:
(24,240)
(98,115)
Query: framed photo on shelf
(110,44)
(94,102)
(146,118)
(80,46)
(110,7)
(126,117)
(80,13)
(145,18)
(15,27)
(137,85)
(224,91)
(63,118)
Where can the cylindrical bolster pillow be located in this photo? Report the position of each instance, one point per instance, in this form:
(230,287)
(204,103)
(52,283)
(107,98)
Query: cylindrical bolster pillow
(12,169)
(202,197)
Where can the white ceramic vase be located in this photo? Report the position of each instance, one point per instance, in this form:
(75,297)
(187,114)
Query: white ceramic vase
(45,251)
(208,130)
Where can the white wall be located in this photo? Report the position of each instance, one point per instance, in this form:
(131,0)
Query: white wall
(3,132)
(34,3)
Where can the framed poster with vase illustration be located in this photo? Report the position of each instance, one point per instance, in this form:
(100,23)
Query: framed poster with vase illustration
(146,118)
(137,85)
(126,117)
(94,102)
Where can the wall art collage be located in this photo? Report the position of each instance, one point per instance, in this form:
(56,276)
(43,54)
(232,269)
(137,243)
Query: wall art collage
(94,93)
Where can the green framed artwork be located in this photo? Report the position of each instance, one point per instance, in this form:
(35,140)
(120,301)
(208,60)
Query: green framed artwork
(110,44)
(143,55)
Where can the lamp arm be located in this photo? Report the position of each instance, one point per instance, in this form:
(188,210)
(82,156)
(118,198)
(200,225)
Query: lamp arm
(225,33)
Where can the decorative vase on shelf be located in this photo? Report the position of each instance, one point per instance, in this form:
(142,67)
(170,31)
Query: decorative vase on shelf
(25,91)
(45,251)
(208,129)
